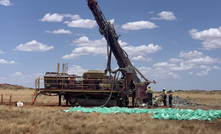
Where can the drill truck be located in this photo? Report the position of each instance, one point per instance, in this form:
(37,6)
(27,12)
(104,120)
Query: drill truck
(98,87)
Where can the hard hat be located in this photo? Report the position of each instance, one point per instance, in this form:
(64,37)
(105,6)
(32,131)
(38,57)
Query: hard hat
(149,86)
(163,88)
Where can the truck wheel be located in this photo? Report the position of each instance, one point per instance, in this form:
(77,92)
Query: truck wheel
(72,100)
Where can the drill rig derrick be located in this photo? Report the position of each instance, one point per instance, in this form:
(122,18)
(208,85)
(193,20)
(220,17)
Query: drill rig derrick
(108,31)
(125,67)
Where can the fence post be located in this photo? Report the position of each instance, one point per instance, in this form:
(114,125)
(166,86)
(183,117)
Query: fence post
(2,98)
(10,100)
(32,99)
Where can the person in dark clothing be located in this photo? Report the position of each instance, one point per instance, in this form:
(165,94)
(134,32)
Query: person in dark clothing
(170,98)
(164,97)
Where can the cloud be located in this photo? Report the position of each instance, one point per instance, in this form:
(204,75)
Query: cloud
(5,3)
(212,33)
(33,46)
(73,17)
(211,44)
(182,67)
(165,15)
(52,17)
(95,47)
(149,59)
(138,25)
(191,54)
(87,23)
(205,67)
(205,60)
(16,74)
(215,67)
(151,12)
(190,73)
(203,72)
(2,61)
(75,69)
(175,60)
(59,31)
(112,21)
(1,52)
(158,73)
(142,50)
(139,58)
(55,17)
(211,37)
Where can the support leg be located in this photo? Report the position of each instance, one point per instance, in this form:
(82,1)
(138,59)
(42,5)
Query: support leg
(67,96)
(132,101)
(59,97)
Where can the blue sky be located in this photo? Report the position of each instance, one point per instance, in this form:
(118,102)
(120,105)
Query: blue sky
(176,43)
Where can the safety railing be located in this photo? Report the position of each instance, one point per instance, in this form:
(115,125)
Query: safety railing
(77,83)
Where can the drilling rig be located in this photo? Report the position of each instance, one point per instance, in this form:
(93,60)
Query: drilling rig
(98,87)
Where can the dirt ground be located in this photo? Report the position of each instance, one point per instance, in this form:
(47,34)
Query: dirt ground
(47,105)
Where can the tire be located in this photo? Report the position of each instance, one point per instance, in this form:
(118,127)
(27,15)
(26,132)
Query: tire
(72,100)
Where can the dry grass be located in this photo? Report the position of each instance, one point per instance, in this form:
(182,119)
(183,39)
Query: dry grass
(25,96)
(202,98)
(42,120)
(206,98)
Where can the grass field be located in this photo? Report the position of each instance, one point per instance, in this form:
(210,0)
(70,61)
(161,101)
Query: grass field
(51,120)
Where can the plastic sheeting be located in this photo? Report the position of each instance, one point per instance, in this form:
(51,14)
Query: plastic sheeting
(168,113)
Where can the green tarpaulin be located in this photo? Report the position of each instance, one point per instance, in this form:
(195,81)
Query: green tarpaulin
(168,113)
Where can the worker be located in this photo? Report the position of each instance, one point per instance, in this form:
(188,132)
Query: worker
(170,98)
(149,93)
(164,97)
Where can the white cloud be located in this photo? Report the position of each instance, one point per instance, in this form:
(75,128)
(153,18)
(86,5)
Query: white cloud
(75,69)
(165,15)
(59,31)
(138,25)
(1,52)
(149,59)
(71,56)
(151,12)
(16,74)
(215,67)
(142,50)
(161,64)
(211,37)
(182,67)
(211,44)
(190,73)
(203,72)
(206,60)
(191,54)
(112,21)
(2,61)
(55,17)
(73,17)
(5,3)
(95,47)
(139,58)
(33,46)
(205,67)
(212,33)
(87,23)
(175,60)
(52,17)
(158,73)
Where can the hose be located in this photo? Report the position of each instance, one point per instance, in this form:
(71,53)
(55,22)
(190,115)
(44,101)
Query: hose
(109,69)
